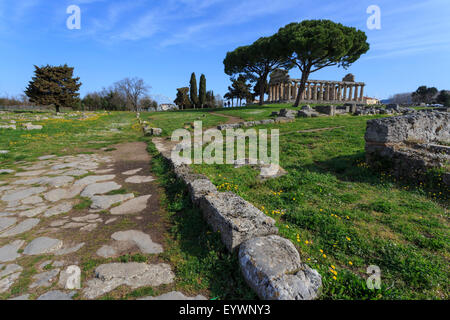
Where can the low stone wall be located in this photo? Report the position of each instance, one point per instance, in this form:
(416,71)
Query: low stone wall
(409,145)
(270,264)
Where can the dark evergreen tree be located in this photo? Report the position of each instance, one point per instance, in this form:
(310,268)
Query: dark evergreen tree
(193,90)
(182,100)
(444,98)
(202,91)
(53,85)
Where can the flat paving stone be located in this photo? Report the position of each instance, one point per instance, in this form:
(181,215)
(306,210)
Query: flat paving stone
(86,218)
(89,228)
(59,209)
(107,252)
(142,240)
(104,171)
(93,179)
(20,228)
(109,221)
(8,171)
(131,172)
(131,206)
(133,274)
(8,276)
(20,195)
(32,200)
(42,245)
(76,172)
(22,297)
(174,295)
(69,250)
(139,179)
(44,279)
(9,252)
(100,188)
(105,202)
(57,295)
(74,225)
(6,223)
(58,223)
(56,195)
(33,212)
(31,173)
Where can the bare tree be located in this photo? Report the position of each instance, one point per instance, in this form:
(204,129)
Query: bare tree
(401,98)
(133,89)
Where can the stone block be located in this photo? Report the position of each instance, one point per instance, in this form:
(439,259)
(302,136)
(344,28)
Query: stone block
(236,219)
(272,268)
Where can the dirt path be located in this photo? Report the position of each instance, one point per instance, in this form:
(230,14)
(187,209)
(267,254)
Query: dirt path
(231,119)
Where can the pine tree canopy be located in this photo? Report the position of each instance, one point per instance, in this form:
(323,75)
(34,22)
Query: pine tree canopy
(53,85)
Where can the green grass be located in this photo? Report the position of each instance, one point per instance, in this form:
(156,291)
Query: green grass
(331,203)
(65,136)
(169,121)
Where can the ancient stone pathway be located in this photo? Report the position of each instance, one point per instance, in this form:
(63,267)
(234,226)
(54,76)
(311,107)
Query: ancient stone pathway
(66,221)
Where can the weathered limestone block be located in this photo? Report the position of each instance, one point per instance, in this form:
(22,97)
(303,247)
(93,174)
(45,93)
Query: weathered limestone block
(307,114)
(184,173)
(418,127)
(328,110)
(287,113)
(148,131)
(283,120)
(272,267)
(409,145)
(230,126)
(236,219)
(199,188)
(267,121)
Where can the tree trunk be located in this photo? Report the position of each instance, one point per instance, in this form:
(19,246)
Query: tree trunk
(303,80)
(262,87)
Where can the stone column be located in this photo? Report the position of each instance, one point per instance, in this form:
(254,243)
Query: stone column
(344,96)
(270,93)
(355,98)
(309,91)
(350,93)
(361,95)
(328,92)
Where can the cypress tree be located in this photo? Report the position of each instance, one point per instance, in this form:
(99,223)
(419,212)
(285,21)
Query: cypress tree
(53,86)
(193,90)
(202,92)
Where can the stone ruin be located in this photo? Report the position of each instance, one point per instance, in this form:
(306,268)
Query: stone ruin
(411,144)
(283,88)
(270,264)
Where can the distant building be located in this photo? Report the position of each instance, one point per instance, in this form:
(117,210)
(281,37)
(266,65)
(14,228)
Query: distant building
(167,107)
(370,101)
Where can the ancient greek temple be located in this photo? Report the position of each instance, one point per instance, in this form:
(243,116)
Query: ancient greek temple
(284,89)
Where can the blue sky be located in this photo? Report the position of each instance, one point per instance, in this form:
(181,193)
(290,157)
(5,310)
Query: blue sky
(163,41)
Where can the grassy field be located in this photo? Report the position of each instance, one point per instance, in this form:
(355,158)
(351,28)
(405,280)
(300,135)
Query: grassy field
(343,217)
(68,135)
(169,121)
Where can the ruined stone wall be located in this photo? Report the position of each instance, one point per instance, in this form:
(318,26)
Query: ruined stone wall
(409,145)
(270,264)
